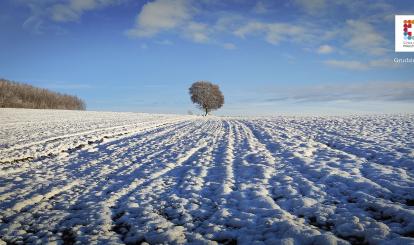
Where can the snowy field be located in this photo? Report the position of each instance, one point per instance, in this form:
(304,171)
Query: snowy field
(70,177)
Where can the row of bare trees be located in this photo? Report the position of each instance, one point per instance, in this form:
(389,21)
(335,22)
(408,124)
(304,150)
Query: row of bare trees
(19,95)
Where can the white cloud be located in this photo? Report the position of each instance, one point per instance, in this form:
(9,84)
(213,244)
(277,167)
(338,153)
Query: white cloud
(227,22)
(179,16)
(197,32)
(311,6)
(34,23)
(325,49)
(273,32)
(249,28)
(73,9)
(359,65)
(229,46)
(260,8)
(161,15)
(363,37)
(46,14)
(63,13)
(188,19)
(164,42)
(347,64)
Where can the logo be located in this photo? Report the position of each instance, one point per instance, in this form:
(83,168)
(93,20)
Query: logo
(404,28)
(407,29)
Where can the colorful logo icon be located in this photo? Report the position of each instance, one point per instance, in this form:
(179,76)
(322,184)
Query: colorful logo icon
(404,29)
(408,35)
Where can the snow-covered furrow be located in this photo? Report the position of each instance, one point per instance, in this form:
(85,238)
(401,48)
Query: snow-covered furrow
(383,140)
(96,176)
(46,135)
(367,169)
(92,170)
(84,162)
(56,145)
(155,221)
(127,178)
(337,188)
(392,178)
(255,171)
(149,178)
(52,123)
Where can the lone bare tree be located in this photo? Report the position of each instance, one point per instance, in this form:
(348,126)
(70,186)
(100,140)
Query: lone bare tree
(207,95)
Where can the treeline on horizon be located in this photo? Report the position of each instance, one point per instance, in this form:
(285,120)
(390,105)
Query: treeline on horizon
(21,95)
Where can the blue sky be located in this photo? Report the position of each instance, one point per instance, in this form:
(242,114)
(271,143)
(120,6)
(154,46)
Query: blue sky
(269,57)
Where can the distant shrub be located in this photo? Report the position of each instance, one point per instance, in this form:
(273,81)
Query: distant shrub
(20,95)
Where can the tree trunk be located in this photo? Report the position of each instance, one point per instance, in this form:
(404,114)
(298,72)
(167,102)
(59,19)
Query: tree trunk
(206,112)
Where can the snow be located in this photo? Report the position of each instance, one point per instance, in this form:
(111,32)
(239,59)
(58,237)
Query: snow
(116,178)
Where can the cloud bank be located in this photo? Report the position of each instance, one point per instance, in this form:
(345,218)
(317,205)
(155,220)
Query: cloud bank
(371,91)
(228,23)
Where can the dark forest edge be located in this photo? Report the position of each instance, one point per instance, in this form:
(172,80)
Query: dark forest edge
(21,95)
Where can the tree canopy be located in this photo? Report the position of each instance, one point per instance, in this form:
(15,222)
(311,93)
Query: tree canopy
(207,95)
